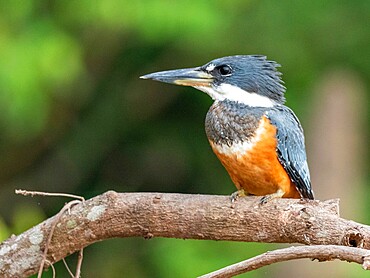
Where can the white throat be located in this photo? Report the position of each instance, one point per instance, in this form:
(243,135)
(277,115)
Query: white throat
(233,93)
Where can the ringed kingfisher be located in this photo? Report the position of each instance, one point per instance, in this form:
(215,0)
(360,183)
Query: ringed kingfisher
(257,138)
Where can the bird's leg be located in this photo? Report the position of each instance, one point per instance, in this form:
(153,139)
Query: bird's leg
(240,193)
(265,199)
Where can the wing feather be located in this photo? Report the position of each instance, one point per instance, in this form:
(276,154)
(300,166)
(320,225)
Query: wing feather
(291,148)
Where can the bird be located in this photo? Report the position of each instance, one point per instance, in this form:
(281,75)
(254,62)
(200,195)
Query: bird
(258,140)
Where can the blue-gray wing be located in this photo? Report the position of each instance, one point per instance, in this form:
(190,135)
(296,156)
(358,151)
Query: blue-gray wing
(291,148)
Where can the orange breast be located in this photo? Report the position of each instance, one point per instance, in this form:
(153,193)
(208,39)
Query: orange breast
(254,166)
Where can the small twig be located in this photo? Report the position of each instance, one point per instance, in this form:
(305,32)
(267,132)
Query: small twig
(53,194)
(318,252)
(54,224)
(79,263)
(53,270)
(78,266)
(67,267)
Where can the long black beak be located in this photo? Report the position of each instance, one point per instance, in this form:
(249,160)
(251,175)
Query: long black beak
(185,77)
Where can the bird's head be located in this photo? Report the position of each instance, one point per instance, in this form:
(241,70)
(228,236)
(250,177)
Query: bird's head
(248,79)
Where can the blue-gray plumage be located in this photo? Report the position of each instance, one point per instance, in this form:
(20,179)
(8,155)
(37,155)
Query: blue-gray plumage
(252,73)
(259,141)
(291,148)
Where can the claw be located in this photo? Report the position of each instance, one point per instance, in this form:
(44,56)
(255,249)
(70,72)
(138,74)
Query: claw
(238,194)
(265,199)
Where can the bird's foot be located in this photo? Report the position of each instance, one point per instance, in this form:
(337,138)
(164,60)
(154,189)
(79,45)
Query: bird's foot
(238,194)
(265,199)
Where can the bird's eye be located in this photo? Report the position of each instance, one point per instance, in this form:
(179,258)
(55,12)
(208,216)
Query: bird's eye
(224,70)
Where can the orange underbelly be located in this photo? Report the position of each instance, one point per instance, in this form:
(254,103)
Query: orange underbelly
(254,166)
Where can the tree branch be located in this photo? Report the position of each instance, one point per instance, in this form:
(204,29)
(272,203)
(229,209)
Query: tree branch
(180,216)
(317,252)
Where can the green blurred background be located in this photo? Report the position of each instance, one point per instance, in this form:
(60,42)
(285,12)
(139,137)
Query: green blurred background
(75,117)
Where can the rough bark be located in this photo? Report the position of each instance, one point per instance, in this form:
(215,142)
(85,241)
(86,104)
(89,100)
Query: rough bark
(180,216)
